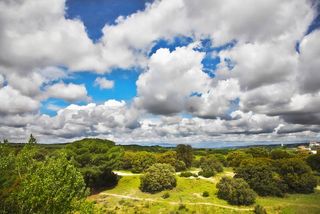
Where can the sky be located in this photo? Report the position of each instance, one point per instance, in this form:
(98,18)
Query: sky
(207,72)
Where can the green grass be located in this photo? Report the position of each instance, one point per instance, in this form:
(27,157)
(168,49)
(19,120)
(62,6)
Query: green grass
(189,191)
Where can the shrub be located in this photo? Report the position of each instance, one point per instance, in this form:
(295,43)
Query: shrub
(236,191)
(165,195)
(207,174)
(258,209)
(205,194)
(180,166)
(210,165)
(158,177)
(186,174)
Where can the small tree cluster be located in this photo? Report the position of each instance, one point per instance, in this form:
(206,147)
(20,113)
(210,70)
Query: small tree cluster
(236,191)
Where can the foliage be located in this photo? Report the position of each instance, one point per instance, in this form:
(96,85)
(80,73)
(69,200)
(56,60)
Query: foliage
(236,157)
(210,166)
(258,209)
(180,166)
(95,158)
(258,152)
(33,183)
(297,175)
(280,154)
(261,175)
(186,174)
(54,185)
(185,154)
(314,161)
(222,159)
(142,161)
(236,191)
(205,194)
(158,177)
(165,195)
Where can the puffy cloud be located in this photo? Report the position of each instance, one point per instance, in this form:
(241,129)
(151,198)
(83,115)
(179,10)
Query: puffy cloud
(88,120)
(171,79)
(13,102)
(104,83)
(69,92)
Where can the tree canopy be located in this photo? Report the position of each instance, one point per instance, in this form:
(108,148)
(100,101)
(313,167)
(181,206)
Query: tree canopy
(158,177)
(95,158)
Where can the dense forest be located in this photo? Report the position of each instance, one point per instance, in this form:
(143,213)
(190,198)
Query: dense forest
(38,178)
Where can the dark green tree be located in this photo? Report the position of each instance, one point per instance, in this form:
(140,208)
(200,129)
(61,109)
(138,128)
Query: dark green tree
(297,175)
(32,140)
(261,175)
(96,158)
(185,154)
(314,161)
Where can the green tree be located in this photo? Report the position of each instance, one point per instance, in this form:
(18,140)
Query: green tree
(261,175)
(236,191)
(258,152)
(277,154)
(236,157)
(32,140)
(210,166)
(142,161)
(158,177)
(297,175)
(314,161)
(52,186)
(185,154)
(96,158)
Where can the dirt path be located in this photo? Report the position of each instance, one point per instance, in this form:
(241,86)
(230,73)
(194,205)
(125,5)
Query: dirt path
(175,203)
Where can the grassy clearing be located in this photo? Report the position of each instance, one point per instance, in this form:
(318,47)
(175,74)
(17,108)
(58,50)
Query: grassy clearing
(188,192)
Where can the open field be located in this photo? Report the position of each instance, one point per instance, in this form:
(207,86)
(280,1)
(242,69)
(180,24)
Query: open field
(127,198)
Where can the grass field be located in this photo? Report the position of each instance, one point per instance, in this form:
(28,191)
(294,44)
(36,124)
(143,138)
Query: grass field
(187,198)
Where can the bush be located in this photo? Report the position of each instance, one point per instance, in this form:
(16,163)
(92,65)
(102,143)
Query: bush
(258,209)
(158,177)
(186,174)
(165,195)
(207,174)
(180,166)
(236,191)
(210,165)
(205,194)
